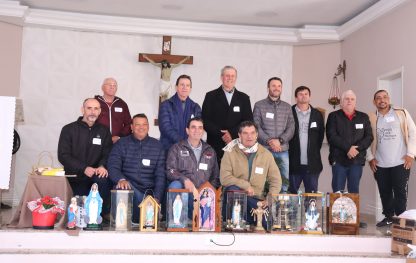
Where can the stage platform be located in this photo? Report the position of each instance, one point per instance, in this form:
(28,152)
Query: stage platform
(29,245)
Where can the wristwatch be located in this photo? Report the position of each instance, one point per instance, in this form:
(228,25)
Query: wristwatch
(281,140)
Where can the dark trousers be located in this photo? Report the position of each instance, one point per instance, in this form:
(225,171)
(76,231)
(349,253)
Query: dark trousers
(342,174)
(83,186)
(393,185)
(310,180)
(251,203)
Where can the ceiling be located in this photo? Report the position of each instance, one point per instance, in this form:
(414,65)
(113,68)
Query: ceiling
(269,13)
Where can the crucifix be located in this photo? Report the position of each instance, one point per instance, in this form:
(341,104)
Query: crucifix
(166,62)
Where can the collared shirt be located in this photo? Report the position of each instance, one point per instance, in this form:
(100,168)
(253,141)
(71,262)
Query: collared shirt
(303,121)
(229,94)
(391,146)
(197,151)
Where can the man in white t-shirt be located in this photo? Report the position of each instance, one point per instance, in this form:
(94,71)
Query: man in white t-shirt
(391,154)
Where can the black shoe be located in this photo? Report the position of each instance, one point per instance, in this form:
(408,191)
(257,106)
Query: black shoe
(385,222)
(363,225)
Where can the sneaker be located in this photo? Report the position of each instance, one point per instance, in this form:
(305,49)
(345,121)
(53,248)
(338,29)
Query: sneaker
(385,222)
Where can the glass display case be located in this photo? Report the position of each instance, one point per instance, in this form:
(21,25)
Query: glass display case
(177,210)
(236,211)
(313,213)
(121,209)
(284,213)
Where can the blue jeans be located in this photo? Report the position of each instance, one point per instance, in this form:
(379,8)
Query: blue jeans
(282,161)
(310,180)
(137,199)
(251,203)
(342,174)
(179,185)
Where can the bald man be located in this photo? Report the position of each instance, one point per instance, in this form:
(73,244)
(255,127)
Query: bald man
(115,113)
(83,149)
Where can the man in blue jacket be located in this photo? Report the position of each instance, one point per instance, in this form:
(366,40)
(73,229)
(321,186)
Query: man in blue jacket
(175,113)
(137,162)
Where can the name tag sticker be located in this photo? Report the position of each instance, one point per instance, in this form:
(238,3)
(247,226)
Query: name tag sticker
(359,126)
(390,119)
(203,166)
(146,162)
(192,116)
(269,115)
(96,141)
(313,124)
(259,170)
(236,109)
(118,109)
(184,153)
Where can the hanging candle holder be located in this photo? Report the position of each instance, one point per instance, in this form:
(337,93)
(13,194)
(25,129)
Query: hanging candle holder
(335,92)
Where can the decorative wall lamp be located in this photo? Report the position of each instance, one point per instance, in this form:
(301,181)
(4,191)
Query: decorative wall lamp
(334,94)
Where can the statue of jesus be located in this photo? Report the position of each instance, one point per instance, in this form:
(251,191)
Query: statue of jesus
(165,72)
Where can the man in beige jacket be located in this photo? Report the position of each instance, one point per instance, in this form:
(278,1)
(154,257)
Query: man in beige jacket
(247,165)
(391,155)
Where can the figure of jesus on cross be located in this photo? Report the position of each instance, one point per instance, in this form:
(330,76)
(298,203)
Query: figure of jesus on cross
(166,62)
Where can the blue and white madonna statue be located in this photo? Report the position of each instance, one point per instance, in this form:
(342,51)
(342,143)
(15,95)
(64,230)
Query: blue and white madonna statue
(93,207)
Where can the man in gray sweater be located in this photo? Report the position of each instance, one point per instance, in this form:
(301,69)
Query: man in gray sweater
(274,119)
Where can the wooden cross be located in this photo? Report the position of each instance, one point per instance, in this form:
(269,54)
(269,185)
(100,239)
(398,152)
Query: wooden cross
(158,59)
(166,49)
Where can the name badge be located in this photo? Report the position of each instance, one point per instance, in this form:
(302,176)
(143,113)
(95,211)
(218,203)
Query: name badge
(269,115)
(359,126)
(192,116)
(146,162)
(118,109)
(96,141)
(203,166)
(313,124)
(184,153)
(259,170)
(236,108)
(390,119)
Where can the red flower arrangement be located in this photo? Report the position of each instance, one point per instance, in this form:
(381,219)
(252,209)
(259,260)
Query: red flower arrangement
(47,204)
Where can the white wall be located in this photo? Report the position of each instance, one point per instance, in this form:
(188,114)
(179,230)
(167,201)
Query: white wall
(60,68)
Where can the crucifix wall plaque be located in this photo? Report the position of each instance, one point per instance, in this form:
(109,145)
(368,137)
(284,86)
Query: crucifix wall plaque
(166,62)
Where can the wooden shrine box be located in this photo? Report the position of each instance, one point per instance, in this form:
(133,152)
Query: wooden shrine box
(284,217)
(207,213)
(344,214)
(149,211)
(403,232)
(177,201)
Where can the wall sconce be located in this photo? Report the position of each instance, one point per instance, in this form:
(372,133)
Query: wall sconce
(335,93)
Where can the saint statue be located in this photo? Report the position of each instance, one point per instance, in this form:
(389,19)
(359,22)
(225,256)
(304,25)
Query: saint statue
(93,206)
(312,216)
(236,216)
(258,214)
(177,209)
(121,217)
(72,214)
(150,215)
(80,214)
(342,214)
(166,70)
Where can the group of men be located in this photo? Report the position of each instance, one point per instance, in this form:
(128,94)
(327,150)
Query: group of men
(269,150)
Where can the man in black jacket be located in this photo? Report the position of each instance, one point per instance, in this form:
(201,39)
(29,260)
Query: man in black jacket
(305,162)
(349,135)
(83,149)
(223,110)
